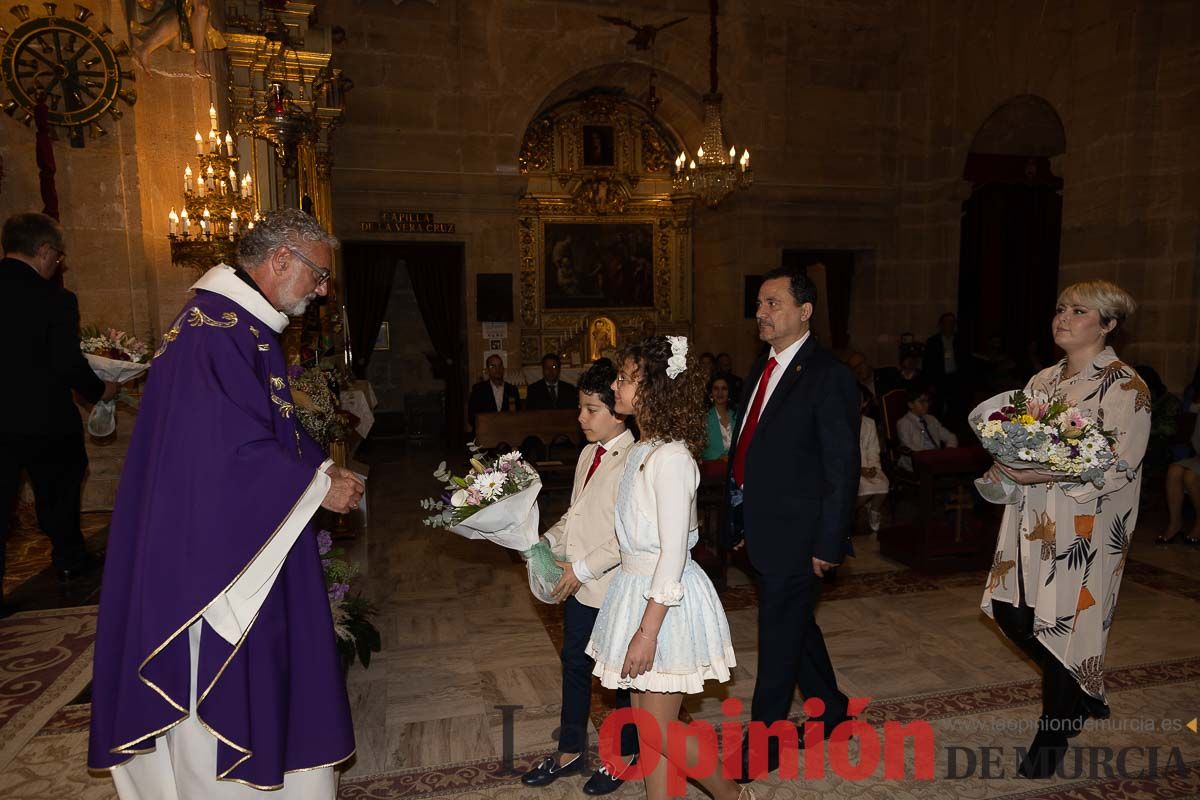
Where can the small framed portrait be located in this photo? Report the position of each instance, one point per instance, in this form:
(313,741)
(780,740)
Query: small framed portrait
(383,339)
(598,146)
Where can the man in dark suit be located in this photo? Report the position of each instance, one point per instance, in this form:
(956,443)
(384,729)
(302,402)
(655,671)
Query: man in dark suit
(550,392)
(40,427)
(494,394)
(793,482)
(946,362)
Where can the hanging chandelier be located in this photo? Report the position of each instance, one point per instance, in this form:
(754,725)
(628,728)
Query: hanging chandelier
(218,205)
(713,174)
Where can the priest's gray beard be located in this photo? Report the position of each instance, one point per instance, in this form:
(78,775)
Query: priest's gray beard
(292,302)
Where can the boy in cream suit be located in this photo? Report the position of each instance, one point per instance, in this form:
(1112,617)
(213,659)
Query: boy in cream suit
(585,541)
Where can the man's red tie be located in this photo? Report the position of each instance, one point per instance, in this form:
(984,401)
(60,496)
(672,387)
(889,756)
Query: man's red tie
(595,463)
(739,457)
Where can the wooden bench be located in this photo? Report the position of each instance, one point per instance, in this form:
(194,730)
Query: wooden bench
(943,525)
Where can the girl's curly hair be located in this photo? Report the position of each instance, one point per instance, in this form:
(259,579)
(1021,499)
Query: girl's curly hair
(668,409)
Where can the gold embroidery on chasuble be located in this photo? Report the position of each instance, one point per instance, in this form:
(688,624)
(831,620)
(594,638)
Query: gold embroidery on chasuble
(167,338)
(264,347)
(285,408)
(197,318)
(254,330)
(276,383)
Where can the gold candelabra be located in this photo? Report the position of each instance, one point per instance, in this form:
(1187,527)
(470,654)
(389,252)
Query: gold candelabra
(218,205)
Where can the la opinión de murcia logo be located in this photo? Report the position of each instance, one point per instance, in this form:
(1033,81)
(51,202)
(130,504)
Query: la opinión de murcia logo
(828,752)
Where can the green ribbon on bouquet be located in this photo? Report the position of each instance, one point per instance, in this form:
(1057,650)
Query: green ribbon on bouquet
(542,562)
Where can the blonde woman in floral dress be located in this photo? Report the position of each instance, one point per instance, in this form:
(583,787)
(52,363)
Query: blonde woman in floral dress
(1062,545)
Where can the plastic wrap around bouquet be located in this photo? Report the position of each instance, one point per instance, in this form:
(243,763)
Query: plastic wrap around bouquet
(114,356)
(497,501)
(1038,432)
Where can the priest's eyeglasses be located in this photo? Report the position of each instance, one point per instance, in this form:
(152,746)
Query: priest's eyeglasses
(322,274)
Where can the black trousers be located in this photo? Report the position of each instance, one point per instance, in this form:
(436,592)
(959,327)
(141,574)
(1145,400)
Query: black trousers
(792,652)
(577,665)
(1063,701)
(56,467)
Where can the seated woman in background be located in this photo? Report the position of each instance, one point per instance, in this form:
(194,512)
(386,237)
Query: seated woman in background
(722,421)
(872,483)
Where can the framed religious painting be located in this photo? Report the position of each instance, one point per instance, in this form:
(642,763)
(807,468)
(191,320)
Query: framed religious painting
(598,265)
(599,146)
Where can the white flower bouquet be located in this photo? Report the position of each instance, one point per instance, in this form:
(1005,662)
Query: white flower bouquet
(114,356)
(497,501)
(1046,433)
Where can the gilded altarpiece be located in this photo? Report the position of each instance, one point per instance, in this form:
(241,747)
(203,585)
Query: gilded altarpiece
(602,241)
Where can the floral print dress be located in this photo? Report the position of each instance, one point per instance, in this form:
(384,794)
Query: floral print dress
(1072,539)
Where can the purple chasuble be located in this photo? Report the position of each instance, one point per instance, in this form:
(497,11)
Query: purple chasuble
(216,463)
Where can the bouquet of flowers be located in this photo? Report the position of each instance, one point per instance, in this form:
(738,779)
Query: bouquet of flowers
(497,501)
(114,356)
(1047,433)
(356,635)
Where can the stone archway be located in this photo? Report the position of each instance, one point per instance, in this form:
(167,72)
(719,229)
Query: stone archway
(1009,249)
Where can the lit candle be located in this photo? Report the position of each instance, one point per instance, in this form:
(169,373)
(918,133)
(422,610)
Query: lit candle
(249,186)
(745,159)
(173,222)
(245,188)
(199,144)
(204,222)
(233,224)
(212,116)
(232,180)
(201,189)
(692,165)
(250,225)
(700,152)
(732,154)
(185,223)
(214,143)
(187,178)
(228,144)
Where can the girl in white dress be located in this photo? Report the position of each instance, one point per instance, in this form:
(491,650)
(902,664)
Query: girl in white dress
(661,631)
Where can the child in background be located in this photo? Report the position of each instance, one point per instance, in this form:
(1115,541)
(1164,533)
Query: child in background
(919,430)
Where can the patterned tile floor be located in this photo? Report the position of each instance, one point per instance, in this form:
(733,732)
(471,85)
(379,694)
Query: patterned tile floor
(462,637)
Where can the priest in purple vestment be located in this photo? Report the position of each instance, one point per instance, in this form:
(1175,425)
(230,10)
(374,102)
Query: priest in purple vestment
(216,670)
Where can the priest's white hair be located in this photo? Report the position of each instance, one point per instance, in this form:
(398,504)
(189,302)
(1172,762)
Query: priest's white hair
(285,226)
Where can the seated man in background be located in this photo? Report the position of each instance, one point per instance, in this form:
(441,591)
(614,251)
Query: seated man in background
(494,394)
(550,392)
(919,430)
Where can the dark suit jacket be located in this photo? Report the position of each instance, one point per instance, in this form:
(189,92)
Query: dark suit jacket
(802,468)
(933,363)
(482,401)
(537,397)
(39,325)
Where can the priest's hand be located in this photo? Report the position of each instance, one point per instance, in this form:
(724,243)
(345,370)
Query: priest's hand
(345,490)
(110,390)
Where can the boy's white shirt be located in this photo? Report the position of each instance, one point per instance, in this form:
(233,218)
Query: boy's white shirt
(587,533)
